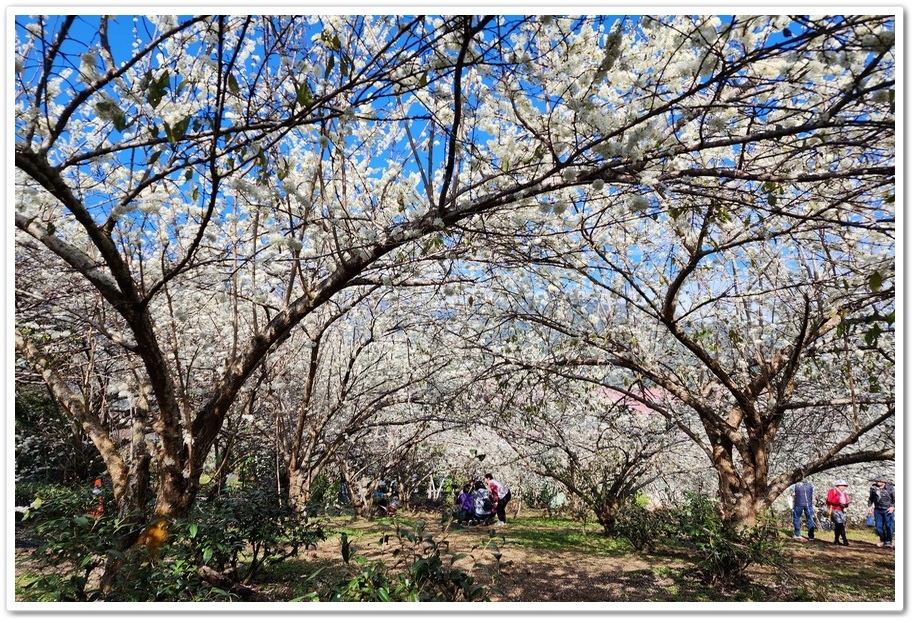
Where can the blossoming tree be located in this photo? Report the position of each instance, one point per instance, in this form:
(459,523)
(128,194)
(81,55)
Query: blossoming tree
(213,181)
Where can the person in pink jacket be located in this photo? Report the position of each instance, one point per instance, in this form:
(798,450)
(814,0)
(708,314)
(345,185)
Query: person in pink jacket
(837,502)
(501,496)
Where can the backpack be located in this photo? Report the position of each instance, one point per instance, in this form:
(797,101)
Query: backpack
(487,505)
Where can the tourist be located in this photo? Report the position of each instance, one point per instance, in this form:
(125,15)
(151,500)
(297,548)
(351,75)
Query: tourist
(803,504)
(501,496)
(837,503)
(881,500)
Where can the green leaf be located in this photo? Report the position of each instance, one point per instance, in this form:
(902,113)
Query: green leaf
(304,96)
(120,121)
(874,281)
(233,83)
(329,67)
(345,551)
(874,385)
(177,132)
(872,335)
(841,328)
(332,41)
(157,90)
(107,109)
(192,530)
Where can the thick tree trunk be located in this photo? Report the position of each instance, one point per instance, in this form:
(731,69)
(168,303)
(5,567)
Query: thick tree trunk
(740,503)
(607,515)
(299,487)
(742,511)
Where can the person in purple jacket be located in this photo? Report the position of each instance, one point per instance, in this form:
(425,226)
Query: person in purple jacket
(465,510)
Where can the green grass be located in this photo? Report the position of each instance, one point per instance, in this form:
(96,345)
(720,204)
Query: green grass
(565,537)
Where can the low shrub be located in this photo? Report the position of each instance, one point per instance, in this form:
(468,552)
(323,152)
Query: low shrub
(423,570)
(725,551)
(82,558)
(642,528)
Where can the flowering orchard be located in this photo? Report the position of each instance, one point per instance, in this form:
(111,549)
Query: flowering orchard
(347,238)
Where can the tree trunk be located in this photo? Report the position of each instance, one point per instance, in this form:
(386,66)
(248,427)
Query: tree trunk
(607,515)
(299,487)
(742,511)
(357,499)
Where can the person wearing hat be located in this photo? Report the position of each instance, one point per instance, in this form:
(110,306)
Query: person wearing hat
(881,500)
(837,502)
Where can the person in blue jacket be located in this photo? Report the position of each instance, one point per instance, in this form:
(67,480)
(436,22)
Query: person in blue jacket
(803,504)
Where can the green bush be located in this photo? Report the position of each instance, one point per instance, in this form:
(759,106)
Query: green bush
(70,550)
(249,520)
(82,558)
(537,498)
(72,543)
(324,491)
(54,501)
(725,551)
(642,528)
(48,448)
(429,572)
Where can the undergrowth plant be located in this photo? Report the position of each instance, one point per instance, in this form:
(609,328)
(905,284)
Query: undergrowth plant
(423,569)
(722,551)
(641,527)
(725,551)
(82,558)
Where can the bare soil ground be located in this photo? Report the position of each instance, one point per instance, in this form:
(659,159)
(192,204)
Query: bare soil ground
(818,570)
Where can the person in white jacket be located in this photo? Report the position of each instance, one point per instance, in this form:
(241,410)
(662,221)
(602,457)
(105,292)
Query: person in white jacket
(483,503)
